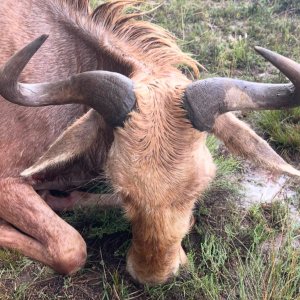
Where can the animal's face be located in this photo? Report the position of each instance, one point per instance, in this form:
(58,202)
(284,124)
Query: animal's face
(159,164)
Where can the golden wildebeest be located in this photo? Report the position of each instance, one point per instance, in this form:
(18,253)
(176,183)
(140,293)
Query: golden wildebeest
(104,97)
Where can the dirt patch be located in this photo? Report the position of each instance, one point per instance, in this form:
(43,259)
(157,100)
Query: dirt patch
(259,187)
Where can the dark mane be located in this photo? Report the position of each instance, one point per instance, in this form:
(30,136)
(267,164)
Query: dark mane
(137,45)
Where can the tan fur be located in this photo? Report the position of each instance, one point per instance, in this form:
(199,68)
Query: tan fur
(62,152)
(157,162)
(169,167)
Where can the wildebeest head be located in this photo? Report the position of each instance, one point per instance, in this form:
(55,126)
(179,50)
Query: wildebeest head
(158,161)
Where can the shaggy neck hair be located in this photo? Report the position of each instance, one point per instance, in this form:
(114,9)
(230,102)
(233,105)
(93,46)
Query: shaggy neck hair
(137,45)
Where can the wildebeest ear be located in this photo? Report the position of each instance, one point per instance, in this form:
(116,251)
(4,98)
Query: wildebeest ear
(240,139)
(71,144)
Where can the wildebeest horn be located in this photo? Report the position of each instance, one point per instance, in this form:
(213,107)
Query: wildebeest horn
(205,99)
(111,94)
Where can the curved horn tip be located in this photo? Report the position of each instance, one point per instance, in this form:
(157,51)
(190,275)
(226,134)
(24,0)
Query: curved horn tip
(264,52)
(30,49)
(258,48)
(37,43)
(15,65)
(43,37)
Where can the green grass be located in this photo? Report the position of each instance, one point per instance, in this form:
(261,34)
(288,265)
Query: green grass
(282,128)
(233,253)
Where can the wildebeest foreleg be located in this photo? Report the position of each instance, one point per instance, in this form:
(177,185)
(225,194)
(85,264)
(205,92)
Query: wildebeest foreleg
(242,140)
(31,227)
(78,199)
